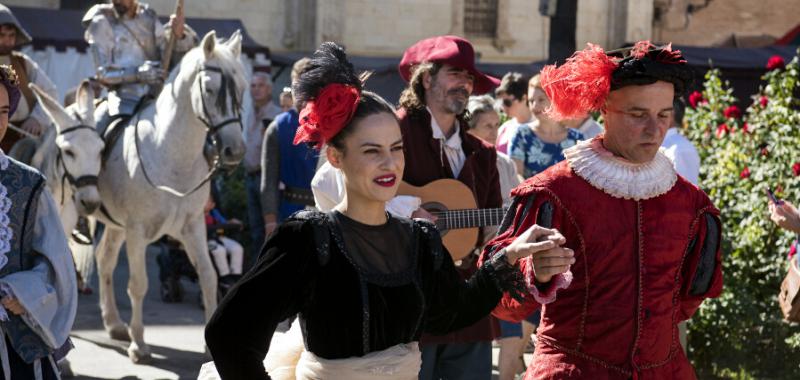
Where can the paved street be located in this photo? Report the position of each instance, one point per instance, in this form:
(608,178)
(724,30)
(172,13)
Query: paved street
(174,332)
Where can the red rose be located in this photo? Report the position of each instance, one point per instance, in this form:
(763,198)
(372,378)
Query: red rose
(733,112)
(745,173)
(764,100)
(779,190)
(322,118)
(745,128)
(722,129)
(796,169)
(793,250)
(695,98)
(764,152)
(775,62)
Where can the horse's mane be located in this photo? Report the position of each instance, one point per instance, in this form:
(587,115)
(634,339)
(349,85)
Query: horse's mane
(225,60)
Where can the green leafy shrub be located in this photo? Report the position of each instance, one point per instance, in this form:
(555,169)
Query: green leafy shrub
(742,334)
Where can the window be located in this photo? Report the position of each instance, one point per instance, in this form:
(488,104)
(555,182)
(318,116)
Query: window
(480,18)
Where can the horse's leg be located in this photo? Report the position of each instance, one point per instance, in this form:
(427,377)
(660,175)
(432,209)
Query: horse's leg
(138,351)
(193,237)
(107,254)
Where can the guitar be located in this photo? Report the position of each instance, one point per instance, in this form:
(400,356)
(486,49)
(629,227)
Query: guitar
(459,219)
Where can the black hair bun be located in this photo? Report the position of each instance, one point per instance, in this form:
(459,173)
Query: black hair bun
(328,65)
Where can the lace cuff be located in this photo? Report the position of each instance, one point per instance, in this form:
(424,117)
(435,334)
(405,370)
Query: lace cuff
(548,293)
(506,278)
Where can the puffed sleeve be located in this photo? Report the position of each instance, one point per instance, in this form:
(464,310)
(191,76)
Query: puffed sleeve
(239,333)
(702,269)
(533,208)
(452,302)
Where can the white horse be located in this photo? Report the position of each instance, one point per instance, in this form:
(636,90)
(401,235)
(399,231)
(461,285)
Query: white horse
(69,154)
(69,157)
(154,181)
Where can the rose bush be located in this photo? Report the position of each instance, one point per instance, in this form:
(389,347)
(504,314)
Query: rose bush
(741,334)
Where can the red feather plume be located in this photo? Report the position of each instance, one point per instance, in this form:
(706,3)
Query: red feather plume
(580,85)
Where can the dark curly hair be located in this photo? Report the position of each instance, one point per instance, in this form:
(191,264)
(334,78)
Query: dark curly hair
(329,65)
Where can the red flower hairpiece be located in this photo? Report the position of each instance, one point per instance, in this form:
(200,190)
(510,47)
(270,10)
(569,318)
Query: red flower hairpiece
(322,118)
(580,85)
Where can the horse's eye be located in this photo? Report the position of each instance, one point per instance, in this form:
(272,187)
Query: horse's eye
(69,153)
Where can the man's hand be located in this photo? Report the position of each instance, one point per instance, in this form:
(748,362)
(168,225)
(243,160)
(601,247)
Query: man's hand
(785,216)
(544,245)
(150,73)
(32,126)
(422,213)
(176,23)
(12,304)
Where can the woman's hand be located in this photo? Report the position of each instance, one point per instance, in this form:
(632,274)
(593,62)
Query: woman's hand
(544,245)
(12,304)
(785,216)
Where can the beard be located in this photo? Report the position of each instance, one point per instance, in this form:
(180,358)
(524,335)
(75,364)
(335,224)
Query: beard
(456,100)
(121,9)
(6,50)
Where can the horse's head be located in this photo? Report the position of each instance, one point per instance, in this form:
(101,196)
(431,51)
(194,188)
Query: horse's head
(216,94)
(79,145)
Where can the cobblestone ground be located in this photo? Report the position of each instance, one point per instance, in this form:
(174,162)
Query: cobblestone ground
(174,332)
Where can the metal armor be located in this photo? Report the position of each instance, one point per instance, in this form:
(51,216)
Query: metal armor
(127,52)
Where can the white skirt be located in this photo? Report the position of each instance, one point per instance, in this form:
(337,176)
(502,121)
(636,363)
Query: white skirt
(287,359)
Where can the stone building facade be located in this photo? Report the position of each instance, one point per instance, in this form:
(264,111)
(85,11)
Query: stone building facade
(502,30)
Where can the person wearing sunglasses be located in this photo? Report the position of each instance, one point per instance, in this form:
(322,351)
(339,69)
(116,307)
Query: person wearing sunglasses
(512,93)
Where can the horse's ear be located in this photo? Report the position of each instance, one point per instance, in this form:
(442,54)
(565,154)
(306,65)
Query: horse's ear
(235,43)
(209,43)
(84,98)
(52,108)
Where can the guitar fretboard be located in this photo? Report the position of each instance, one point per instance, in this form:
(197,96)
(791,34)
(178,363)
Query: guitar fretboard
(469,218)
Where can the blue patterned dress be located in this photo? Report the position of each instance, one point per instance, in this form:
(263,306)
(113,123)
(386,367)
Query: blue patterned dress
(536,154)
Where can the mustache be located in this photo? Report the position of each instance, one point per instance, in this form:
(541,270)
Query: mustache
(120,8)
(459,91)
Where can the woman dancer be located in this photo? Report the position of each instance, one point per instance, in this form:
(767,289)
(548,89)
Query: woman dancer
(364,283)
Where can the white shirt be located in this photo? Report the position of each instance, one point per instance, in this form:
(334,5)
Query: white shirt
(451,146)
(683,155)
(589,129)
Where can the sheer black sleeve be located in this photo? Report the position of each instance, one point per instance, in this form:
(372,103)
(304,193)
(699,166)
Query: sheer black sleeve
(239,333)
(451,302)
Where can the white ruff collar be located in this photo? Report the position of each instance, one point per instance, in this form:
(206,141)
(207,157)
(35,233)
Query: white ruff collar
(618,177)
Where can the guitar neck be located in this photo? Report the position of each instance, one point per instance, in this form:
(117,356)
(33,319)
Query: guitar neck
(470,218)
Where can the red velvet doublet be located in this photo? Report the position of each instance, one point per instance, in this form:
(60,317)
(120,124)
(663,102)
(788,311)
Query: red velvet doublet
(635,263)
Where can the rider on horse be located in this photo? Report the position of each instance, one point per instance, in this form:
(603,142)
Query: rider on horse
(127,42)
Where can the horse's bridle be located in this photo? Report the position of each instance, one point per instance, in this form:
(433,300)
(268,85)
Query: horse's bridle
(212,131)
(81,181)
(214,128)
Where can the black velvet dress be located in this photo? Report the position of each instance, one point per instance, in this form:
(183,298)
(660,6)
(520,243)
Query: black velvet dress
(356,289)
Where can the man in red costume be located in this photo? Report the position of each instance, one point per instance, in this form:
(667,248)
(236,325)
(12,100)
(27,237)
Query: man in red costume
(645,240)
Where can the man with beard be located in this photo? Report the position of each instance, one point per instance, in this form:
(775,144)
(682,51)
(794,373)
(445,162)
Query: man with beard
(442,75)
(30,117)
(127,42)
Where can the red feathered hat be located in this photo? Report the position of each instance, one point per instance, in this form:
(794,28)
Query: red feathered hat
(451,50)
(582,83)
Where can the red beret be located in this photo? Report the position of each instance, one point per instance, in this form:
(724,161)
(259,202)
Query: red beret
(451,50)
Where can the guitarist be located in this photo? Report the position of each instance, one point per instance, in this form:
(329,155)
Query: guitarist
(442,75)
